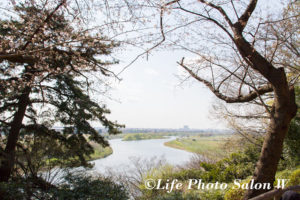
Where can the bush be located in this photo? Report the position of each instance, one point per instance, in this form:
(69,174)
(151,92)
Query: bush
(79,187)
(212,195)
(74,187)
(235,194)
(238,165)
(291,150)
(294,178)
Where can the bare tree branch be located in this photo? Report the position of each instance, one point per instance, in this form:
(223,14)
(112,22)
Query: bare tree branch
(246,98)
(243,20)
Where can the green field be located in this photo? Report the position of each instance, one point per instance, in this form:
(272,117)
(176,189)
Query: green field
(142,136)
(208,146)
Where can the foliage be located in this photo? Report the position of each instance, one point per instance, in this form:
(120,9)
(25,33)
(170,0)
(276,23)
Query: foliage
(284,174)
(292,175)
(75,186)
(239,165)
(46,63)
(212,195)
(235,193)
(85,187)
(100,152)
(291,151)
(155,173)
(294,178)
(238,57)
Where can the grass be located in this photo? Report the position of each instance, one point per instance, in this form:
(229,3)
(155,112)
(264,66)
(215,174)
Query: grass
(99,152)
(207,146)
(142,136)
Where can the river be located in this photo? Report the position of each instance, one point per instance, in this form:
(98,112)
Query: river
(124,152)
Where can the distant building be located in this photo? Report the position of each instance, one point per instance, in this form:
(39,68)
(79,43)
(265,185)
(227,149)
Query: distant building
(186,127)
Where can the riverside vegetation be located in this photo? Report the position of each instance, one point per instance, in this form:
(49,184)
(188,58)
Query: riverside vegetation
(203,145)
(49,59)
(100,152)
(142,136)
(237,165)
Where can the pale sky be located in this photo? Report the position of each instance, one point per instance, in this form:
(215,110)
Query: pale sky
(151,96)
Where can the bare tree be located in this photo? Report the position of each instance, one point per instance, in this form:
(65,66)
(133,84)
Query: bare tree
(244,53)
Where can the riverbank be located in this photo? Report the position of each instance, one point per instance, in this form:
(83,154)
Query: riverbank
(212,146)
(142,136)
(99,152)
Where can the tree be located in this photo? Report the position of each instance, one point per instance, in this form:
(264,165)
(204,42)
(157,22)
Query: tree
(291,151)
(46,61)
(77,185)
(273,79)
(242,56)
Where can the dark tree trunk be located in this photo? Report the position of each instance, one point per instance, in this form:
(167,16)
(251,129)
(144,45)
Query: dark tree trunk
(8,157)
(284,109)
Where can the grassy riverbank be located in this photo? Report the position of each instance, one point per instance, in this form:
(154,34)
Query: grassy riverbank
(142,136)
(100,152)
(208,146)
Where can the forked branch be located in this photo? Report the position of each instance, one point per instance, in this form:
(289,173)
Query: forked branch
(239,99)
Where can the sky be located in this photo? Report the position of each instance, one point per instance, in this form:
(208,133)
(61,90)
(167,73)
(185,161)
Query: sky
(151,95)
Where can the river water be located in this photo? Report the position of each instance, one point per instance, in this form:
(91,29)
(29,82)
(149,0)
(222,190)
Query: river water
(125,152)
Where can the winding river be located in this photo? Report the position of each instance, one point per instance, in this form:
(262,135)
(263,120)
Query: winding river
(124,152)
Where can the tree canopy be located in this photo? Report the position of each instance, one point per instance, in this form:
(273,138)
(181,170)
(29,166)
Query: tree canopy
(46,61)
(243,53)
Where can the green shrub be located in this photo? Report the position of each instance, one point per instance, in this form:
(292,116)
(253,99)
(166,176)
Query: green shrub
(212,195)
(291,150)
(294,178)
(235,193)
(79,187)
(74,187)
(238,165)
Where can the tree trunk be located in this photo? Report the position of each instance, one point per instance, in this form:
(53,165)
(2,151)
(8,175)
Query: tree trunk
(284,109)
(8,157)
